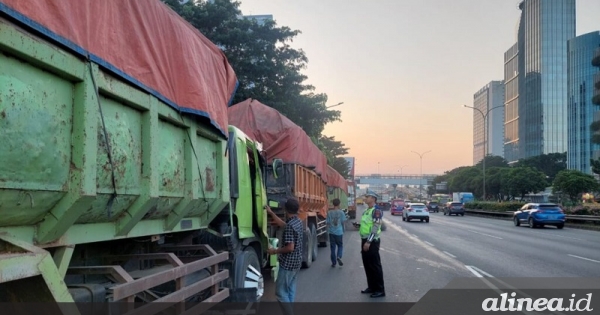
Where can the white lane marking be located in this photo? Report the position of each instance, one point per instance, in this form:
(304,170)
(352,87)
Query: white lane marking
(414,236)
(389,250)
(497,237)
(482,272)
(596,261)
(449,262)
(572,238)
(426,242)
(445,252)
(478,272)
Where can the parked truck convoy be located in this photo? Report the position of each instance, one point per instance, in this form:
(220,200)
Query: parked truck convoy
(123,174)
(304,173)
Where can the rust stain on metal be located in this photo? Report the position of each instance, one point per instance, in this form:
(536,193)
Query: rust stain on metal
(3,114)
(74,167)
(210,183)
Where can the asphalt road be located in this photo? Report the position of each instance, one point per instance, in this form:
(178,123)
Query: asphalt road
(500,249)
(417,257)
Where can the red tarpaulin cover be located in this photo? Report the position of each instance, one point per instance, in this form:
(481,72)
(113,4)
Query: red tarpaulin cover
(335,179)
(145,40)
(281,138)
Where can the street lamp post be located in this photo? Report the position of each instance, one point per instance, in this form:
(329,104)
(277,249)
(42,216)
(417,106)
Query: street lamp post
(485,131)
(338,104)
(421,179)
(379,174)
(401,167)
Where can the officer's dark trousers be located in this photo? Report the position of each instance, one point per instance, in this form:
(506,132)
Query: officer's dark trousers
(372,264)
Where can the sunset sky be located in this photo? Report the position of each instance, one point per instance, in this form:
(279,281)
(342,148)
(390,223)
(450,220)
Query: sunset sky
(403,69)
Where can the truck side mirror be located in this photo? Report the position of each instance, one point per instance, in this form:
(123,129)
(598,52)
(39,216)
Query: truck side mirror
(277,165)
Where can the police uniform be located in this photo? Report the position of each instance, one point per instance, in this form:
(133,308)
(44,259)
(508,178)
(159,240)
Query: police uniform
(370,230)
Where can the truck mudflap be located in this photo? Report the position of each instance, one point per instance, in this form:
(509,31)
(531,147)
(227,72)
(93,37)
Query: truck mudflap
(25,268)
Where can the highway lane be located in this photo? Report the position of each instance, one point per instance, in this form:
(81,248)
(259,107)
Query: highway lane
(500,249)
(417,257)
(410,268)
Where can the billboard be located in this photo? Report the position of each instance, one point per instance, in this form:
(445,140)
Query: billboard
(350,161)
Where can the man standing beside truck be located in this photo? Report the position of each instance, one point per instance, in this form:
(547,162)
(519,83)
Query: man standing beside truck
(370,230)
(335,224)
(290,255)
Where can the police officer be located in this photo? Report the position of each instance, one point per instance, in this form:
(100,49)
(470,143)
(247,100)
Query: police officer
(369,230)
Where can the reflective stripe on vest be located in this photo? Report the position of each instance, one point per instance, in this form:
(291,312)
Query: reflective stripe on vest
(366,223)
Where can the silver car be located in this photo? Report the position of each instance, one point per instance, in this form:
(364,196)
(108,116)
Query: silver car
(416,211)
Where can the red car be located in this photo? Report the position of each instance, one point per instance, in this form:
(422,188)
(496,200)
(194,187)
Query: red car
(398,206)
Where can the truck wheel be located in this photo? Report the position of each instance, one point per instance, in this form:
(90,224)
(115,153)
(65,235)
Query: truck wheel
(307,245)
(315,247)
(247,272)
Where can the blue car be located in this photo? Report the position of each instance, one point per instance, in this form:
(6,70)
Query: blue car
(539,215)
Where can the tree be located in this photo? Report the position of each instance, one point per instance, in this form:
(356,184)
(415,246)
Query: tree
(431,190)
(523,180)
(466,179)
(573,183)
(495,181)
(267,67)
(595,166)
(550,164)
(447,177)
(492,161)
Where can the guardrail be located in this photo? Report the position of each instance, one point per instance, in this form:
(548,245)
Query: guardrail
(572,218)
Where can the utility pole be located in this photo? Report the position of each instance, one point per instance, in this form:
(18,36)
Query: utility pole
(421,178)
(485,132)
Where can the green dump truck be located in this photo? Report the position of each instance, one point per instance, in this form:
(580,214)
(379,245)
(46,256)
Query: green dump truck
(302,172)
(120,178)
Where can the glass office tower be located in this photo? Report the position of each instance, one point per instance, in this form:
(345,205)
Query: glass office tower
(511,104)
(544,29)
(581,111)
(489,100)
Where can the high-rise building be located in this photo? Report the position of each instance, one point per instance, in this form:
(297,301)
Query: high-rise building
(545,27)
(511,104)
(260,19)
(489,102)
(581,111)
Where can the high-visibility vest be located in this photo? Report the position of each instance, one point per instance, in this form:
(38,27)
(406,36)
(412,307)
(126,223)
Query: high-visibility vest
(366,223)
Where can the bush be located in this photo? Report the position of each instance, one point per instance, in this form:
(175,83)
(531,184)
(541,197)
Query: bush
(585,209)
(494,206)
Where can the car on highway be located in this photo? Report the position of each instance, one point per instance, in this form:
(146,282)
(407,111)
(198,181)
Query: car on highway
(397,206)
(539,215)
(384,206)
(454,207)
(433,206)
(416,210)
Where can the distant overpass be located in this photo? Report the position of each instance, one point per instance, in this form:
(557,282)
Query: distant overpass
(389,179)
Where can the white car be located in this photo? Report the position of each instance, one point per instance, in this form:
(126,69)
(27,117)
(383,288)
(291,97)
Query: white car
(416,210)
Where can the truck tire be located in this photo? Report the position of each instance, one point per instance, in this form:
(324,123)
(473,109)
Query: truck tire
(307,245)
(315,247)
(247,272)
